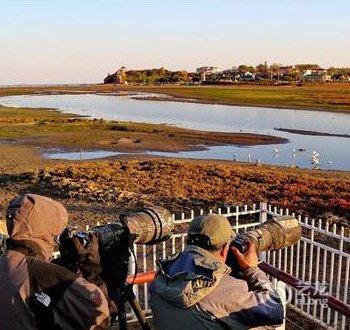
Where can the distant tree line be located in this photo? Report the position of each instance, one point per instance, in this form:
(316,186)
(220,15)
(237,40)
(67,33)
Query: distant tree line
(242,73)
(148,76)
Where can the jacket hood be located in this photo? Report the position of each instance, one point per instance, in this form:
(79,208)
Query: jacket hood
(188,277)
(34,221)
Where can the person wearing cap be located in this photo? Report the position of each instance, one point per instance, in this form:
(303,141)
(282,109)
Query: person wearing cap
(38,294)
(194,289)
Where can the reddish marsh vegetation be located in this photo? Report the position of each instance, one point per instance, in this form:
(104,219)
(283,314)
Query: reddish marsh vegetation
(180,185)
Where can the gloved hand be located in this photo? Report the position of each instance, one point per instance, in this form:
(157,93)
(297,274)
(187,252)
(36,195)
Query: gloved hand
(80,258)
(84,260)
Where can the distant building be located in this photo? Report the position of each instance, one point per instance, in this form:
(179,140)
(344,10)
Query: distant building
(286,70)
(316,75)
(205,71)
(248,76)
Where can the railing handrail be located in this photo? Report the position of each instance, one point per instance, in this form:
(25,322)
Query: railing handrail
(295,283)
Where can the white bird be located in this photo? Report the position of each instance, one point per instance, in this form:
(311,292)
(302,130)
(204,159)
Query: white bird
(276,153)
(315,161)
(315,158)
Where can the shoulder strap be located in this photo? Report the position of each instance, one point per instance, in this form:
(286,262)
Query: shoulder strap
(48,283)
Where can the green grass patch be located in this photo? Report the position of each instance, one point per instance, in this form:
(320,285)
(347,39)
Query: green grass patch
(335,97)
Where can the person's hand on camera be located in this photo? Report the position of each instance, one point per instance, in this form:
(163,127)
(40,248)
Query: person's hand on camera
(84,260)
(80,257)
(88,257)
(247,260)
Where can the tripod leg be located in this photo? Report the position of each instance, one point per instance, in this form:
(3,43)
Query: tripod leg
(121,314)
(135,305)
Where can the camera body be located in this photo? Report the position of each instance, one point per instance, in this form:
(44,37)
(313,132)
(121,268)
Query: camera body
(274,234)
(144,226)
(109,235)
(241,243)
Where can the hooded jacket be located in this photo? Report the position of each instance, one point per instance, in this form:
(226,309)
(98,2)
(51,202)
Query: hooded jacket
(194,290)
(37,294)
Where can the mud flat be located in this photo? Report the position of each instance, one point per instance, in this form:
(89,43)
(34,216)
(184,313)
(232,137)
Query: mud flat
(315,133)
(47,128)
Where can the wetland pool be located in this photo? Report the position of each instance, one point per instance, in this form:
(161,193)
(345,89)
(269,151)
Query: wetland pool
(306,151)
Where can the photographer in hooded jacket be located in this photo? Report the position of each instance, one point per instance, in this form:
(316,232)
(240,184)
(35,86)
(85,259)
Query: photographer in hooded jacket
(38,294)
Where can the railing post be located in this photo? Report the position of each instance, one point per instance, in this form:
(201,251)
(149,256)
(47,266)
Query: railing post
(263,218)
(281,289)
(132,270)
(263,212)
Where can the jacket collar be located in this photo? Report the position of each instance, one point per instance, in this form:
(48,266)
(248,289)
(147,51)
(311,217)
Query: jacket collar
(187,286)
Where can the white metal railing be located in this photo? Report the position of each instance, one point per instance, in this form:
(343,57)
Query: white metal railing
(321,258)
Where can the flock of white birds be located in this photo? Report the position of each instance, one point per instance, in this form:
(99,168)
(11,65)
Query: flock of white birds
(315,159)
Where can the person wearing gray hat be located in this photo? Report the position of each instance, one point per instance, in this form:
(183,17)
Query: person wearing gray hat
(195,289)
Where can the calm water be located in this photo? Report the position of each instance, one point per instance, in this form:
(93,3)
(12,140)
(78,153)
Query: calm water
(83,155)
(333,151)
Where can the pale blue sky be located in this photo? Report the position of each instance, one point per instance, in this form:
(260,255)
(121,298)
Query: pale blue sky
(41,42)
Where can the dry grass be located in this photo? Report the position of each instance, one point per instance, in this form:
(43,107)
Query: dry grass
(96,190)
(187,184)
